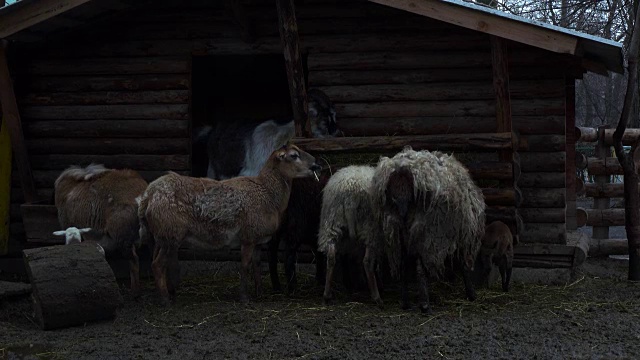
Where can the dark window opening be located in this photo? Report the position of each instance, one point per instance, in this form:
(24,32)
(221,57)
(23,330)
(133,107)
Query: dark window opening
(235,88)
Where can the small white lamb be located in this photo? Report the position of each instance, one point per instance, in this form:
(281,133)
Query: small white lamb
(74,235)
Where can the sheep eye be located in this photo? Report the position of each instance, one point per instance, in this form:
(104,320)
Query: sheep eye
(295,156)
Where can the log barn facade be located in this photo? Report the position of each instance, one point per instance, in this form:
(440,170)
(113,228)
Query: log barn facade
(124,83)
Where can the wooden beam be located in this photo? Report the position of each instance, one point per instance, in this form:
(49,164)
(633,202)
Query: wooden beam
(570,151)
(488,23)
(12,117)
(500,141)
(24,14)
(500,69)
(288,28)
(586,134)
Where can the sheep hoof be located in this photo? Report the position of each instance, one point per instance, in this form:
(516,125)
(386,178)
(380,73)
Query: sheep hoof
(405,306)
(380,303)
(244,299)
(327,300)
(166,302)
(426,309)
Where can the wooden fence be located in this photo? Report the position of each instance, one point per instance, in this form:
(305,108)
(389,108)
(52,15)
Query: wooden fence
(603,182)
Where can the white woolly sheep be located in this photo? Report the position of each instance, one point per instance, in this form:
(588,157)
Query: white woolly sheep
(104,200)
(431,210)
(348,224)
(497,249)
(241,212)
(73,235)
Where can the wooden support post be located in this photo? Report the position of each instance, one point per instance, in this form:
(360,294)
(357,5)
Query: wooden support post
(601,203)
(500,68)
(570,151)
(14,125)
(288,28)
(5,186)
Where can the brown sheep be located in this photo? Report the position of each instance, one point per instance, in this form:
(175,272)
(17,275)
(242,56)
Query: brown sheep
(497,249)
(105,201)
(240,212)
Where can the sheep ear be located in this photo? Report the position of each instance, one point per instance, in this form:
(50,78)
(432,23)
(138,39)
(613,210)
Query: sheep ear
(84,230)
(59,233)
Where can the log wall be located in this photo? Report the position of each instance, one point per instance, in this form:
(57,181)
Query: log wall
(121,95)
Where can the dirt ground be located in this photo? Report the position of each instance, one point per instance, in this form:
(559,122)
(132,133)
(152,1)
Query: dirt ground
(547,315)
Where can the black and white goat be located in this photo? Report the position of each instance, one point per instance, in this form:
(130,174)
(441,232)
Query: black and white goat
(254,141)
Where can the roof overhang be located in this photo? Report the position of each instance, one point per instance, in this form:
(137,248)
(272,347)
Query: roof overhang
(516,28)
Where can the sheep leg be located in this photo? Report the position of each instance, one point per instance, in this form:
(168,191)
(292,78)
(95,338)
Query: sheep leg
(246,253)
(404,286)
(159,267)
(468,285)
(321,268)
(369,268)
(173,273)
(134,272)
(257,273)
(505,272)
(423,285)
(273,263)
(290,254)
(331,263)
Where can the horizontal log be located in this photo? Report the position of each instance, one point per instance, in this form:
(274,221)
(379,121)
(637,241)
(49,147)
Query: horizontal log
(581,217)
(491,170)
(107,98)
(506,214)
(429,142)
(420,60)
(17,195)
(542,215)
(542,143)
(321,78)
(606,247)
(136,162)
(448,108)
(605,190)
(545,263)
(543,198)
(585,134)
(541,180)
(581,161)
(441,91)
(109,146)
(111,66)
(500,197)
(107,128)
(607,166)
(100,112)
(425,76)
(379,126)
(605,217)
(545,233)
(105,83)
(46,178)
(542,161)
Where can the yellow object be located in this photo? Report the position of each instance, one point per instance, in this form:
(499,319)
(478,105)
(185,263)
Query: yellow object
(5,187)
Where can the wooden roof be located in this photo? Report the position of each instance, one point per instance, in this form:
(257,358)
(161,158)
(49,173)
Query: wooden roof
(33,20)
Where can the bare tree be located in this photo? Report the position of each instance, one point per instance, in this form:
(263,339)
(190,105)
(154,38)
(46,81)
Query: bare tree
(631,178)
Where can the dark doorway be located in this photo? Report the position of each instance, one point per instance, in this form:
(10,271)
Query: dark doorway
(235,88)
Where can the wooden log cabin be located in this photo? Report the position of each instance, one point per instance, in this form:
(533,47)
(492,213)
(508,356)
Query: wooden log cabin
(124,82)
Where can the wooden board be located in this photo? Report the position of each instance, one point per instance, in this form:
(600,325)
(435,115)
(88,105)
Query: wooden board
(40,221)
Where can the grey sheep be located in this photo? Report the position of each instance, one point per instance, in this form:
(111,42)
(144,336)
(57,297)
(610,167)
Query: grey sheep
(430,210)
(348,224)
